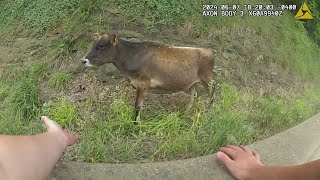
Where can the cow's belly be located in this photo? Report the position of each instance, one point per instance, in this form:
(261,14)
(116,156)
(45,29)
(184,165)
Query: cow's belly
(173,85)
(168,77)
(154,83)
(162,84)
(174,79)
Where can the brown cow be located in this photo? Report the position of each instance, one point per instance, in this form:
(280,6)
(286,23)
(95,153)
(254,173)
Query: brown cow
(153,65)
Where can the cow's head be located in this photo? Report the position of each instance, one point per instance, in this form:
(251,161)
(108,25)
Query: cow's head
(103,50)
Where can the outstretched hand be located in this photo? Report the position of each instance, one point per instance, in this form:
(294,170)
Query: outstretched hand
(68,138)
(240,161)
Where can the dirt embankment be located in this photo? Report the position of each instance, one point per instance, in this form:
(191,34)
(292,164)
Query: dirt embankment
(242,54)
(240,51)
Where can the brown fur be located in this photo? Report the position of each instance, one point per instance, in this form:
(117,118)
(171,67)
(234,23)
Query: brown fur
(152,65)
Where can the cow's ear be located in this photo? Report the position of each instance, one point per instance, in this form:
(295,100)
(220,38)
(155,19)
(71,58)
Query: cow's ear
(114,39)
(96,36)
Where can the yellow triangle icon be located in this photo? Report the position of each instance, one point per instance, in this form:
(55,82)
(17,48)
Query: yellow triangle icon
(304,12)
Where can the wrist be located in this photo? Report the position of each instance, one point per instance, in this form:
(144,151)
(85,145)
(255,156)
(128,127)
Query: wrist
(255,172)
(60,137)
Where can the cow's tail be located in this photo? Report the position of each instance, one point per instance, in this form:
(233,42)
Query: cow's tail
(217,71)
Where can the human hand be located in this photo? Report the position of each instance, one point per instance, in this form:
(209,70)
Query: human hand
(240,161)
(67,138)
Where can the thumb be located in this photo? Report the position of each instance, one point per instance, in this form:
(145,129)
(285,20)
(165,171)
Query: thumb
(225,160)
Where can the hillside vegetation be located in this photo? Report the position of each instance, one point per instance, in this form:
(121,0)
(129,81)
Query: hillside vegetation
(269,80)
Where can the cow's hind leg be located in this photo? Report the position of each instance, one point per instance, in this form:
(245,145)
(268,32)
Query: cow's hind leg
(206,86)
(209,85)
(139,103)
(192,96)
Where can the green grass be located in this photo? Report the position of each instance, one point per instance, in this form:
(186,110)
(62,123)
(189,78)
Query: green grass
(39,71)
(60,79)
(24,99)
(109,135)
(274,114)
(65,112)
(4,91)
(107,130)
(236,118)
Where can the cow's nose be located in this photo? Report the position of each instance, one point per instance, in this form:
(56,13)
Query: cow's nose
(86,62)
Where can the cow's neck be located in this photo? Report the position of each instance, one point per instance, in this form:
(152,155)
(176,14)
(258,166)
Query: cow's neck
(124,52)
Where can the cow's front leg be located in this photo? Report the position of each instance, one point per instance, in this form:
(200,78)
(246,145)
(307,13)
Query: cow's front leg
(139,103)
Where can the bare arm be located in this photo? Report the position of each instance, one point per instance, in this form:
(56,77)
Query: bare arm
(33,157)
(245,164)
(305,171)
(3,174)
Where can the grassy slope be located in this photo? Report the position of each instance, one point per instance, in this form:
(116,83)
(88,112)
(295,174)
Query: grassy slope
(39,75)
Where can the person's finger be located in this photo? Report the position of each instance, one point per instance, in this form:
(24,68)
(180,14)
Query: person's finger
(72,138)
(228,151)
(50,124)
(245,149)
(47,122)
(257,155)
(225,160)
(236,148)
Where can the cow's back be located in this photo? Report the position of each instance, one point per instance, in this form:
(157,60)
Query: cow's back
(176,68)
(162,66)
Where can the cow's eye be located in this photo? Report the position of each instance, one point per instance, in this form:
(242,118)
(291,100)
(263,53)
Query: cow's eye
(101,46)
